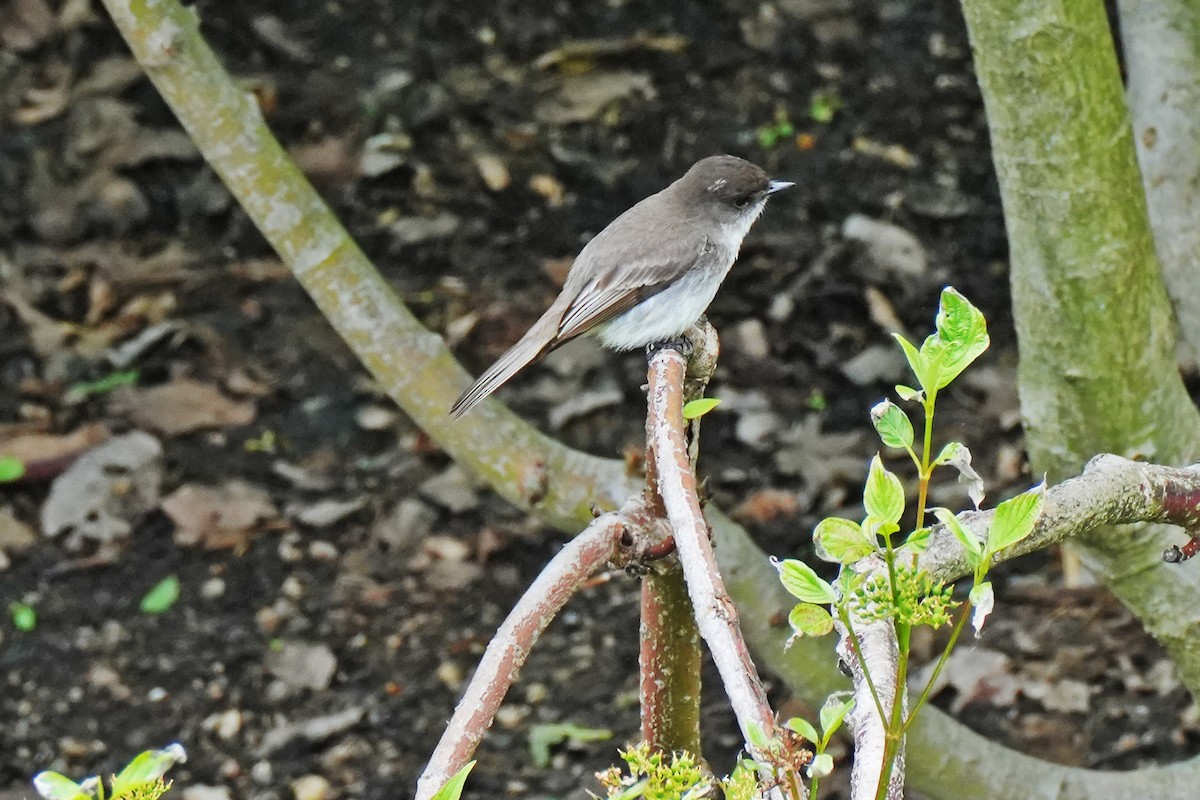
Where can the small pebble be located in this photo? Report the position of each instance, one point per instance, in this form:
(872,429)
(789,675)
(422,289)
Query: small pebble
(323,551)
(375,418)
(292,588)
(262,774)
(229,723)
(212,588)
(311,787)
(290,550)
(450,674)
(201,792)
(510,716)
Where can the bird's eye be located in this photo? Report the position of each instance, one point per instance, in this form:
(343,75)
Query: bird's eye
(741,201)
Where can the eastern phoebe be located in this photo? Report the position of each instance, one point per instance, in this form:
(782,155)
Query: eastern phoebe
(651,273)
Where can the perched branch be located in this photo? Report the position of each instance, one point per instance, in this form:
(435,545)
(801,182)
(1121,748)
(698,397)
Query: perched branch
(670,657)
(579,559)
(715,613)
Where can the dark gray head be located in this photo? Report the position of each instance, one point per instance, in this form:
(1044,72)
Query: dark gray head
(731,189)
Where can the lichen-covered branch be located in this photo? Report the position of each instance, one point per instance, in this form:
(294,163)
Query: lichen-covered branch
(1112,491)
(1094,326)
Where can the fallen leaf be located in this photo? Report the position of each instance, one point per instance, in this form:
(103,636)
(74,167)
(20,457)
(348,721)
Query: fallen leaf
(977,674)
(25,24)
(767,505)
(218,517)
(31,448)
(583,98)
(100,496)
(15,536)
(182,406)
(493,170)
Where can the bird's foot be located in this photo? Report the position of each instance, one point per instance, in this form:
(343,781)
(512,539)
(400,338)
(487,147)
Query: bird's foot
(682,345)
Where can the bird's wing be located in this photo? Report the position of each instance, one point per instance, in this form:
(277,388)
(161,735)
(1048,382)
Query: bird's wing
(620,289)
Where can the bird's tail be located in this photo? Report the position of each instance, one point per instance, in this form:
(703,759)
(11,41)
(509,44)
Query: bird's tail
(535,342)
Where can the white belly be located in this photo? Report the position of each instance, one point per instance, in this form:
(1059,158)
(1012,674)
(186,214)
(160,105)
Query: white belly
(666,315)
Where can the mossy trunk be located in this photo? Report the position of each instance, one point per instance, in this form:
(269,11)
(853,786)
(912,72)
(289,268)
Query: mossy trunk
(1094,324)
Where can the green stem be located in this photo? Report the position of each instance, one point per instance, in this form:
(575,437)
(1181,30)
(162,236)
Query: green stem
(895,726)
(857,647)
(937,670)
(812,789)
(923,468)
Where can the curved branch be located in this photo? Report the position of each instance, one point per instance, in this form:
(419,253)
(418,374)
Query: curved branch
(411,363)
(579,559)
(1112,491)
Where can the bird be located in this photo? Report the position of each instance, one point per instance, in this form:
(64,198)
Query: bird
(651,273)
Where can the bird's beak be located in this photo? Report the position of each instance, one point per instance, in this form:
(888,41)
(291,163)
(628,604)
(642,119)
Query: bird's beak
(778,186)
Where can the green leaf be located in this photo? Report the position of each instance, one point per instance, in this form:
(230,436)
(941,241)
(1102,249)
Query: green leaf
(808,619)
(842,541)
(804,728)
(147,767)
(24,618)
(162,596)
(758,737)
(804,584)
(79,392)
(543,737)
(908,393)
(892,424)
(948,454)
(699,407)
(883,496)
(55,786)
(454,787)
(835,709)
(918,540)
(969,542)
(962,331)
(916,361)
(11,469)
(1015,518)
(821,766)
(823,106)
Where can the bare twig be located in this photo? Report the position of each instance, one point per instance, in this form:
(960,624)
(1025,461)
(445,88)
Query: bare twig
(580,558)
(715,613)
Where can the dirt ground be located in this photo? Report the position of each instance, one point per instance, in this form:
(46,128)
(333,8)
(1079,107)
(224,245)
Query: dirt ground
(338,576)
